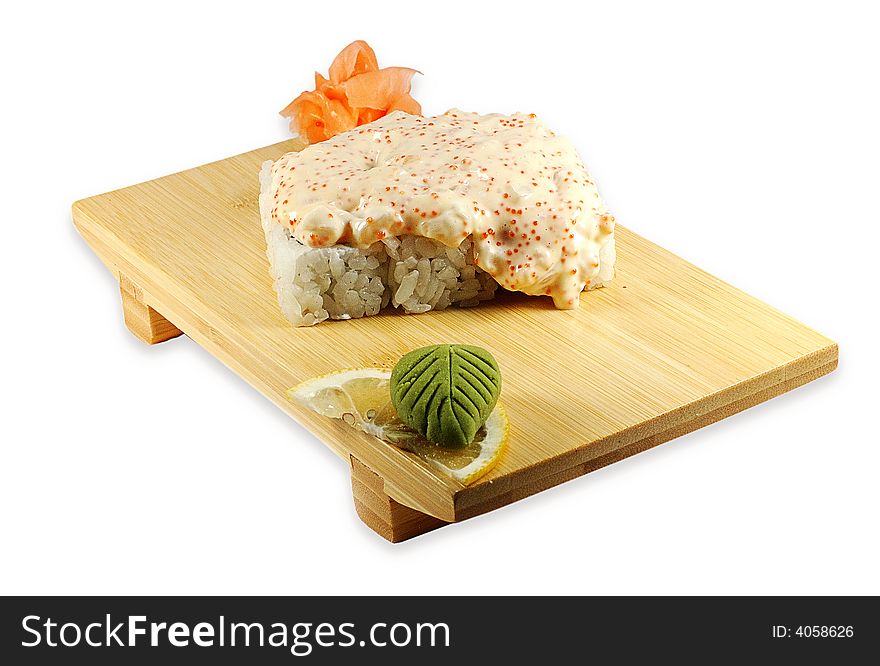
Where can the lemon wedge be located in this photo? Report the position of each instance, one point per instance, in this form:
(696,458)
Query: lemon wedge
(362,399)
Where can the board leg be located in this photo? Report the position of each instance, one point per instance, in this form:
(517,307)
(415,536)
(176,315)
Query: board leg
(385,516)
(142,320)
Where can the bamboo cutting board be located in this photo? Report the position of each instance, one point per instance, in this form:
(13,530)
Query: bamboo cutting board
(664,350)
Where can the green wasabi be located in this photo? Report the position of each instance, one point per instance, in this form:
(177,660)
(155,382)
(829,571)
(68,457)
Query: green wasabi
(446,392)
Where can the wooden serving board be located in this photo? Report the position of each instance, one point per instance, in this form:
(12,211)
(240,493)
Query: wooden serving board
(664,350)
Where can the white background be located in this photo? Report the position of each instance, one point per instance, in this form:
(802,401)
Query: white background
(745,139)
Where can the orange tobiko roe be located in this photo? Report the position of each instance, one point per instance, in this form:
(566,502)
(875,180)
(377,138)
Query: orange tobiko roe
(356,93)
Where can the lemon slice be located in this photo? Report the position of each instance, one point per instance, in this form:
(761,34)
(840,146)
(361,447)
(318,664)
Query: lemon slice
(362,398)
(469,463)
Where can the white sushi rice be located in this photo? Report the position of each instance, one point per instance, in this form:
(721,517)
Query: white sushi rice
(412,273)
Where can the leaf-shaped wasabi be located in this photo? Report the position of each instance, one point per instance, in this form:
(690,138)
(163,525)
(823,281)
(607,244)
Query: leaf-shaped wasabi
(446,392)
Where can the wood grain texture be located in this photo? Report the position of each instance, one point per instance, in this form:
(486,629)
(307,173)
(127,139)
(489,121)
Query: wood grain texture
(387,517)
(142,320)
(664,349)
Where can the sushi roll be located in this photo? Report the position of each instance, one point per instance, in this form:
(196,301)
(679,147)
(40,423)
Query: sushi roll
(425,213)
(410,272)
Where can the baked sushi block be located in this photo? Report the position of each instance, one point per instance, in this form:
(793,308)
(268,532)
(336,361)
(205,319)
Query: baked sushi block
(422,213)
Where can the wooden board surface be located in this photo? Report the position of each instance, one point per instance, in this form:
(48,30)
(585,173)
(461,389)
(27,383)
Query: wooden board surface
(664,349)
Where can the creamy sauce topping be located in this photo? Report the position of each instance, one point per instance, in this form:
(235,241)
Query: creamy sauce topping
(522,192)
